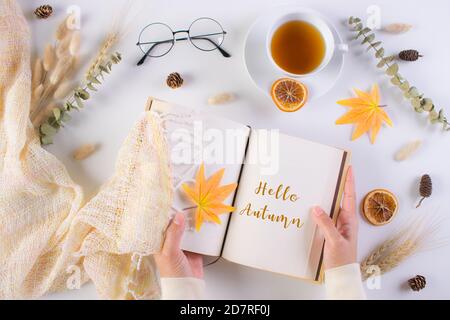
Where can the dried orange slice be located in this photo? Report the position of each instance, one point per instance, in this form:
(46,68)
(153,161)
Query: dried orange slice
(288,94)
(380,206)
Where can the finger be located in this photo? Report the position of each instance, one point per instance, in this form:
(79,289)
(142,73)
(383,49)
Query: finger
(174,234)
(325,224)
(196,263)
(349,201)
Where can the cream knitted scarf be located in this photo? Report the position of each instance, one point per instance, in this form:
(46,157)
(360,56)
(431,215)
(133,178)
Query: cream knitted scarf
(50,239)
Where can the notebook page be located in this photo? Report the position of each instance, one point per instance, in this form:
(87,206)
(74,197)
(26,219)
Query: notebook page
(216,142)
(271,228)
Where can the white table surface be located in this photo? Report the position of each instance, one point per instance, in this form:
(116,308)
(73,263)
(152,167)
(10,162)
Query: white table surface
(111,113)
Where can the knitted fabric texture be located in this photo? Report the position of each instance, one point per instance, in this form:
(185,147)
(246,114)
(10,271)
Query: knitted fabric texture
(50,239)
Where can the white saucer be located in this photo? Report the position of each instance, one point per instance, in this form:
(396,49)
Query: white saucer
(264,73)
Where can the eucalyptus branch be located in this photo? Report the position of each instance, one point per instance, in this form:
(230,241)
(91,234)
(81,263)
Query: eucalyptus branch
(417,100)
(60,115)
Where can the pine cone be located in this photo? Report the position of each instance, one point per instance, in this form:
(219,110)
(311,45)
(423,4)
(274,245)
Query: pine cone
(417,283)
(409,55)
(426,188)
(174,80)
(44,11)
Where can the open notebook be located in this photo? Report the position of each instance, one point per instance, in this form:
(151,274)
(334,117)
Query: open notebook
(280,178)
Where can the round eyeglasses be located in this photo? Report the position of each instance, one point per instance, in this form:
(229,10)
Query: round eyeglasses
(157,39)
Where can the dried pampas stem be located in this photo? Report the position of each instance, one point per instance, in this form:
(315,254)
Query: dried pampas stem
(419,235)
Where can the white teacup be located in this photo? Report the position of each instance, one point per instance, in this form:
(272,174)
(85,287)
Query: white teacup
(315,20)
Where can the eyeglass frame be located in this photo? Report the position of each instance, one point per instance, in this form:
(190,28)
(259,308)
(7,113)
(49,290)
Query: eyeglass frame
(174,39)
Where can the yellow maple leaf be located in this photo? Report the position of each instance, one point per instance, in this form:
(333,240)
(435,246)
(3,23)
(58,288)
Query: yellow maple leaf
(365,112)
(208,196)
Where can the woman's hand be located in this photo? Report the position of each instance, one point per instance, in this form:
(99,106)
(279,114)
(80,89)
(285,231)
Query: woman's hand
(341,241)
(172,262)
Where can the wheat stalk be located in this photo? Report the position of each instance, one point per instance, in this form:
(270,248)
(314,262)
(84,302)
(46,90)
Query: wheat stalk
(108,44)
(397,256)
(419,235)
(120,27)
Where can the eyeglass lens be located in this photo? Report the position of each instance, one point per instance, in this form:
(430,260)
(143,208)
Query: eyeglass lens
(206,34)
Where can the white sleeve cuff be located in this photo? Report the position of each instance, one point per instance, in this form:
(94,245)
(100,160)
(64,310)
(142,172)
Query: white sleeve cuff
(182,289)
(344,283)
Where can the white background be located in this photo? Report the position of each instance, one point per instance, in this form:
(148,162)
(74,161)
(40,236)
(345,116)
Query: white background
(111,113)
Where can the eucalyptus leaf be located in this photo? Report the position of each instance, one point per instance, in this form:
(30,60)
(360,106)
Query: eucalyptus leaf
(413,92)
(416,103)
(68,106)
(389,59)
(359,27)
(79,102)
(392,70)
(357,20)
(433,116)
(91,87)
(368,39)
(363,31)
(441,116)
(351,20)
(379,53)
(376,44)
(103,68)
(93,79)
(66,117)
(419,110)
(382,63)
(427,104)
(47,129)
(83,94)
(56,113)
(404,86)
(46,140)
(395,81)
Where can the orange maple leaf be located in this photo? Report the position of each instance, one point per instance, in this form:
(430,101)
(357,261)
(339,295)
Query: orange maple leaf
(365,112)
(208,196)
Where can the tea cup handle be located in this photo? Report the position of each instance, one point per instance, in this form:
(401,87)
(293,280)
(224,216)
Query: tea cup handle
(342,47)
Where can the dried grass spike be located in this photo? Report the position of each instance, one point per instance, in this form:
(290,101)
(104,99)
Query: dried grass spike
(397,28)
(74,46)
(221,98)
(37,92)
(407,150)
(63,90)
(63,28)
(60,69)
(38,72)
(62,49)
(84,151)
(49,57)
